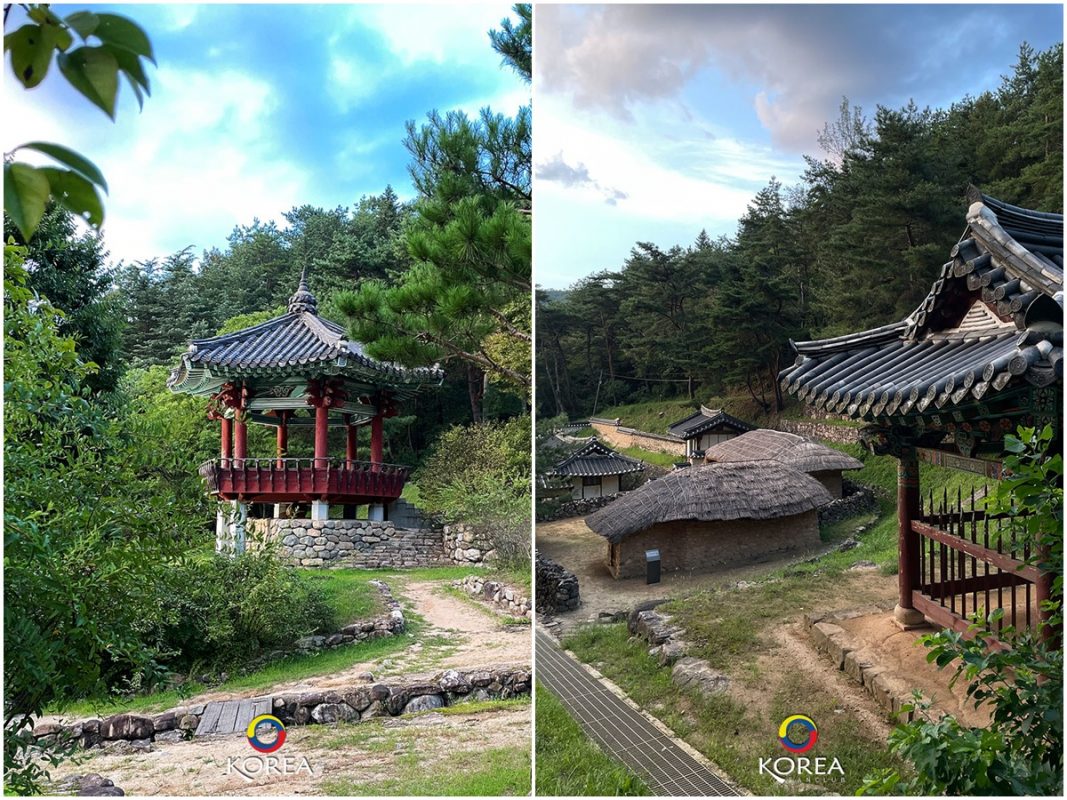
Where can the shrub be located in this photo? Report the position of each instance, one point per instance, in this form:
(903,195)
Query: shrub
(223,610)
(480,474)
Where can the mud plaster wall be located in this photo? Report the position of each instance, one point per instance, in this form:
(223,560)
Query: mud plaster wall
(628,437)
(706,546)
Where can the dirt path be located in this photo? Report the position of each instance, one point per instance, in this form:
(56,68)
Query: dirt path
(341,759)
(456,633)
(571,543)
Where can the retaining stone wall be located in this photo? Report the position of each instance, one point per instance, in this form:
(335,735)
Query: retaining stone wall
(349,543)
(575,508)
(813,429)
(464,545)
(611,432)
(508,598)
(556,588)
(857,500)
(352,704)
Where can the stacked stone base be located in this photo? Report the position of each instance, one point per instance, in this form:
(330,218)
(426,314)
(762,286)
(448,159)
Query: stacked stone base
(349,543)
(391,623)
(556,588)
(354,704)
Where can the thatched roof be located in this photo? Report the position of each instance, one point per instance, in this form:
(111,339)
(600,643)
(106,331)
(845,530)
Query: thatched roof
(785,448)
(741,490)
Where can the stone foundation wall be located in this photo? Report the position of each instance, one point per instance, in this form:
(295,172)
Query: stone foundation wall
(608,430)
(507,598)
(555,588)
(813,429)
(857,500)
(464,545)
(697,546)
(353,704)
(574,508)
(349,543)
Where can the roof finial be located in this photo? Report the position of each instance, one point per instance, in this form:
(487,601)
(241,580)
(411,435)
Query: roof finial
(303,300)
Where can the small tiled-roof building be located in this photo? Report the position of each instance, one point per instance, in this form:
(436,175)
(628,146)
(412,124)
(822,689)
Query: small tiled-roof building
(821,462)
(712,516)
(707,427)
(594,470)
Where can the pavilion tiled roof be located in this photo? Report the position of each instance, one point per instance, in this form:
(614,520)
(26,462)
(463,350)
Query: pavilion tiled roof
(992,321)
(706,419)
(596,459)
(298,342)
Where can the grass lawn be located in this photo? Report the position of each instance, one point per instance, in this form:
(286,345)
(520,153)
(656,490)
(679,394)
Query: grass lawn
(569,763)
(722,728)
(666,460)
(348,592)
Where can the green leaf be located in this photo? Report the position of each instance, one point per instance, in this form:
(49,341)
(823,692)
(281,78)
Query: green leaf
(25,196)
(95,73)
(83,22)
(75,194)
(77,162)
(125,33)
(131,65)
(31,49)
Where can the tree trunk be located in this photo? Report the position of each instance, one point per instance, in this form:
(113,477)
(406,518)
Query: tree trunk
(476,391)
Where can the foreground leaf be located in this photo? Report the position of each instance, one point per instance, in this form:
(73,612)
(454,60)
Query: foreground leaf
(31,53)
(25,196)
(77,162)
(94,72)
(75,194)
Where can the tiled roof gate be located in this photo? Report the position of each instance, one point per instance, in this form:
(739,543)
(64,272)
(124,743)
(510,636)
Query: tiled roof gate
(981,355)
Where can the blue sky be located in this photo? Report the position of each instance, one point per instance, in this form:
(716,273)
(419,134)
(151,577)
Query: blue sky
(258,108)
(653,122)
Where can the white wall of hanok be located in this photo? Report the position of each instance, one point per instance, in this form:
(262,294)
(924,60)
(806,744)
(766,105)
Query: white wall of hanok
(706,440)
(594,486)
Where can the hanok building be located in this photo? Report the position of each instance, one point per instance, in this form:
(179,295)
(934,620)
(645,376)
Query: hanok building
(981,355)
(297,371)
(706,428)
(823,463)
(712,516)
(595,470)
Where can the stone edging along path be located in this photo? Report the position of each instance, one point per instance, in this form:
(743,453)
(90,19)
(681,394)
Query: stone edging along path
(507,598)
(391,623)
(890,691)
(353,704)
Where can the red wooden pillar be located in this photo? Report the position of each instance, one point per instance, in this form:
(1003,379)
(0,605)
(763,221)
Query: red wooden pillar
(240,439)
(322,413)
(908,579)
(283,437)
(227,440)
(376,439)
(350,442)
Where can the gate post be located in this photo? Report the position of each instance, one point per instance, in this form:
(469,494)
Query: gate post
(908,578)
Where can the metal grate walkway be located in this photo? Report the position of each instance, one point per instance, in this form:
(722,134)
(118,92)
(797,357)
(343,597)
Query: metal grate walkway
(623,732)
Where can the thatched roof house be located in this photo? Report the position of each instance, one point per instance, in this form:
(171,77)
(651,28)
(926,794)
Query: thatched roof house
(594,470)
(707,427)
(821,462)
(711,516)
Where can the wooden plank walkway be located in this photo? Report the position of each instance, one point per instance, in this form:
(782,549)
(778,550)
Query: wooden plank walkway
(621,731)
(232,716)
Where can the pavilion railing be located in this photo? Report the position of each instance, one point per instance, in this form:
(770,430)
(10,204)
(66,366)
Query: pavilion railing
(304,477)
(972,562)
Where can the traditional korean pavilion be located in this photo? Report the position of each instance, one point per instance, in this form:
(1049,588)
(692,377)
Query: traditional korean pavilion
(705,428)
(594,470)
(297,372)
(981,355)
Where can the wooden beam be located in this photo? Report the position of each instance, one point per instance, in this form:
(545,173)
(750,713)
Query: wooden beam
(940,615)
(1004,562)
(978,583)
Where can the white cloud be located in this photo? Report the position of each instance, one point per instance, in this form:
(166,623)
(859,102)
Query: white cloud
(196,161)
(435,32)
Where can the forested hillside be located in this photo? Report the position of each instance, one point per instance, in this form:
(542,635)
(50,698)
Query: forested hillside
(854,245)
